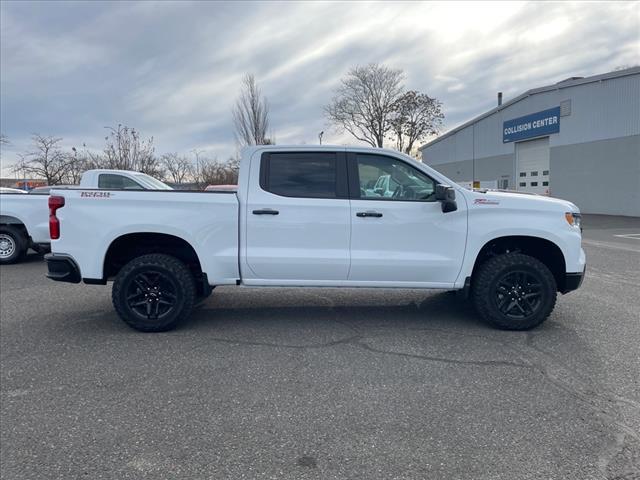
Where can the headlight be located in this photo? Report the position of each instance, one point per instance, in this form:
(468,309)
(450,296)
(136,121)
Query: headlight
(574,219)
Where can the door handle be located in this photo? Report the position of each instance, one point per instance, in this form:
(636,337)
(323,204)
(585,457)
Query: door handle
(266,211)
(369,214)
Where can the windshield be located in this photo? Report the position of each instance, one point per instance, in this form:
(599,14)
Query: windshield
(151,183)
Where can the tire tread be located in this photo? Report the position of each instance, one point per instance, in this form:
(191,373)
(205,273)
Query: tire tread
(183,276)
(22,244)
(481,290)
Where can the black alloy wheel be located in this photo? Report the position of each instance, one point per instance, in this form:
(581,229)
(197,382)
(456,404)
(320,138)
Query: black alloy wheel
(518,294)
(152,294)
(513,291)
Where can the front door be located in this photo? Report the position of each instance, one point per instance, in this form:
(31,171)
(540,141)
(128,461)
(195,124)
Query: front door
(298,221)
(402,236)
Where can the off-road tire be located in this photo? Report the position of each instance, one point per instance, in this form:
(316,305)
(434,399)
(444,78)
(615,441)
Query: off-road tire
(484,290)
(174,271)
(20,244)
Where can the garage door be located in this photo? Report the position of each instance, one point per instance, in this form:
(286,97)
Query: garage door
(532,166)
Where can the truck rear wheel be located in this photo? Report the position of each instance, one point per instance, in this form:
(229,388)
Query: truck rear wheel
(13,244)
(153,293)
(513,291)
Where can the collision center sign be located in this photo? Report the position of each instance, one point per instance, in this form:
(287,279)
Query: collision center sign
(536,124)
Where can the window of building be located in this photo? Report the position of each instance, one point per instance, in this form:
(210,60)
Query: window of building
(523,184)
(545,172)
(310,175)
(534,184)
(534,174)
(523,174)
(545,184)
(388,178)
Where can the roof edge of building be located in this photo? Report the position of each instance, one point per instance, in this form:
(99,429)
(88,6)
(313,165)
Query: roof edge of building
(534,91)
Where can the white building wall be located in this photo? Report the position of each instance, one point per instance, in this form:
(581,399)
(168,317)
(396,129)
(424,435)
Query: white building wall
(451,149)
(600,110)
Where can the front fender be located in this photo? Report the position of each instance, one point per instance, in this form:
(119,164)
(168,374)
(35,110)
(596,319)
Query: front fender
(544,226)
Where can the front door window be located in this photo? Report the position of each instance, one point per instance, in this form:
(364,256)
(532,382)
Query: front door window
(387,178)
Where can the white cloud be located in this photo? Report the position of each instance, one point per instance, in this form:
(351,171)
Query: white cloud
(173,69)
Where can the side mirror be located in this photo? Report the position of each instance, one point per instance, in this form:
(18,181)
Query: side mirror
(446,195)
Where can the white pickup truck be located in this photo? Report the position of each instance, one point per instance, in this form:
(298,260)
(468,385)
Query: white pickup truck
(24,219)
(303,217)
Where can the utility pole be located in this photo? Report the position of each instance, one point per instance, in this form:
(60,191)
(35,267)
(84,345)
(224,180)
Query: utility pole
(320,136)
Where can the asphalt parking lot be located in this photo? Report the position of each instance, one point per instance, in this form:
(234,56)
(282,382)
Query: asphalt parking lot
(325,383)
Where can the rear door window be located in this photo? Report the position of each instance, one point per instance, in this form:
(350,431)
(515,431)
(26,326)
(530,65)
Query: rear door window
(306,175)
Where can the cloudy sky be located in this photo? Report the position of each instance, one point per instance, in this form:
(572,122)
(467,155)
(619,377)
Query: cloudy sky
(173,69)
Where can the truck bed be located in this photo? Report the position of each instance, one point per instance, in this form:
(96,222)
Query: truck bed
(28,210)
(91,220)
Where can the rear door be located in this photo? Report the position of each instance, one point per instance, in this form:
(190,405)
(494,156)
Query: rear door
(402,236)
(298,217)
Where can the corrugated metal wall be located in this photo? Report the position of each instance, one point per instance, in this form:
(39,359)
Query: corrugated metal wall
(599,110)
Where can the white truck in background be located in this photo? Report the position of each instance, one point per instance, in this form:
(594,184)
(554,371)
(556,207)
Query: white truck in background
(121,180)
(306,216)
(24,219)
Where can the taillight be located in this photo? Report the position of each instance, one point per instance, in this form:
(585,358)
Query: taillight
(55,203)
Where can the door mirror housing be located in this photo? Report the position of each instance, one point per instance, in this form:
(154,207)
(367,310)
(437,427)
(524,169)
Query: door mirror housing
(446,195)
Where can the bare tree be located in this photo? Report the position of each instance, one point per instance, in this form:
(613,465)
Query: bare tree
(233,165)
(177,168)
(415,116)
(126,150)
(363,103)
(213,172)
(78,162)
(251,114)
(84,159)
(196,174)
(44,160)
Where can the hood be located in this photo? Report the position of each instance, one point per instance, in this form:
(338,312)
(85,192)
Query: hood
(520,200)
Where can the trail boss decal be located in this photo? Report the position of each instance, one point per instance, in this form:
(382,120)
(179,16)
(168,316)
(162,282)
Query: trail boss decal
(95,194)
(485,201)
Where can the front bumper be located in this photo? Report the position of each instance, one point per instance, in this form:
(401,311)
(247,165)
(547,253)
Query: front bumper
(62,268)
(572,281)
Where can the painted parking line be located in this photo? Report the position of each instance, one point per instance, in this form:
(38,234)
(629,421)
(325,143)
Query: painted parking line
(635,236)
(629,247)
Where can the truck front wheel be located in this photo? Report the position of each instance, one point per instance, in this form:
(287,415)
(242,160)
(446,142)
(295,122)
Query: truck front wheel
(513,291)
(153,293)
